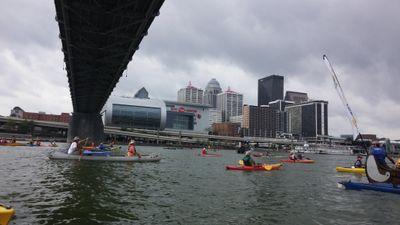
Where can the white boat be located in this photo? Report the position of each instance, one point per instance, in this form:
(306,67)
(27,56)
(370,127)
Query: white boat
(64,156)
(326,149)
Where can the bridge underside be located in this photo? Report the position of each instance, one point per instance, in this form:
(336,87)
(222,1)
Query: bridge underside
(99,38)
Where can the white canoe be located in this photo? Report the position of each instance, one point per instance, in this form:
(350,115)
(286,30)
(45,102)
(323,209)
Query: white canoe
(64,156)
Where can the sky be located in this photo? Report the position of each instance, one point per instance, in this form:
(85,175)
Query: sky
(235,41)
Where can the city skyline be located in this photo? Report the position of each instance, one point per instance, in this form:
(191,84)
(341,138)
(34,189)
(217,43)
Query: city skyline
(237,50)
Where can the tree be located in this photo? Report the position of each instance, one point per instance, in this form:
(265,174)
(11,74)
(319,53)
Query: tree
(26,127)
(10,125)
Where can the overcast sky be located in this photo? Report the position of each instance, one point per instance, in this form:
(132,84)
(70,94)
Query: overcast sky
(236,42)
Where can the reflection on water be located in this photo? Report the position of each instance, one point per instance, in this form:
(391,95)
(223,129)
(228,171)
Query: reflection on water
(184,189)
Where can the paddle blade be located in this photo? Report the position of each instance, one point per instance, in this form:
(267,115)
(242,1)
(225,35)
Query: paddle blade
(267,167)
(241,162)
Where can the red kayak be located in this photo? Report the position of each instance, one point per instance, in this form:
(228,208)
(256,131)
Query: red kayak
(210,155)
(297,161)
(255,168)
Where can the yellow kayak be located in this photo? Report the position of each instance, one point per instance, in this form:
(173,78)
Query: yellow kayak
(5,214)
(350,170)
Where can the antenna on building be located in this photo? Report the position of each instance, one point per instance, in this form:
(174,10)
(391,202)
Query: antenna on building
(190,84)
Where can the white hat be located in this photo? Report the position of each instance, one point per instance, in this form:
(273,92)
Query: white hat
(247,152)
(132,142)
(76,138)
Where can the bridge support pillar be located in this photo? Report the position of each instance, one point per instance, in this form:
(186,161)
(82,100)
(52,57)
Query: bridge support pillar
(86,125)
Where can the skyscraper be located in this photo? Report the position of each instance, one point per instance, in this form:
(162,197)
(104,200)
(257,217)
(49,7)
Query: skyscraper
(230,103)
(263,121)
(308,119)
(210,94)
(270,89)
(296,97)
(190,94)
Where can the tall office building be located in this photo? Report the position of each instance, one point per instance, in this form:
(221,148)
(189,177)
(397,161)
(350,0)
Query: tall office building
(308,119)
(215,116)
(230,103)
(210,94)
(296,97)
(270,89)
(263,121)
(190,94)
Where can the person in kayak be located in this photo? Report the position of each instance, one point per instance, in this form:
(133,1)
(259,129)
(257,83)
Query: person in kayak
(101,147)
(292,155)
(299,156)
(358,163)
(380,155)
(204,151)
(247,160)
(73,148)
(132,149)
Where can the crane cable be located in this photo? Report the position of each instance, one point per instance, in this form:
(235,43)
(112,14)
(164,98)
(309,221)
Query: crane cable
(340,91)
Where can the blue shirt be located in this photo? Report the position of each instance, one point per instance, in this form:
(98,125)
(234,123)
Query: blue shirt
(379,154)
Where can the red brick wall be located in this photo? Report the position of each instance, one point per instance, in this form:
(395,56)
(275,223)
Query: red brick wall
(63,118)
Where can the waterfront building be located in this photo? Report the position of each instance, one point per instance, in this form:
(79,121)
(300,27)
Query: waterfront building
(142,93)
(263,121)
(296,97)
(20,113)
(226,129)
(230,103)
(142,113)
(367,137)
(280,104)
(308,119)
(270,88)
(236,119)
(215,116)
(190,94)
(62,118)
(188,116)
(210,94)
(17,112)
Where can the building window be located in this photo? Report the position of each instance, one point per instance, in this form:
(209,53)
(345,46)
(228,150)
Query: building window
(136,116)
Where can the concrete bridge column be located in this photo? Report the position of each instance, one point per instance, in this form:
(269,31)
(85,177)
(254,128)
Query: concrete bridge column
(86,125)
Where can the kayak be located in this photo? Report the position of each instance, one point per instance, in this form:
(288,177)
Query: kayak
(95,148)
(264,167)
(12,144)
(210,155)
(65,156)
(382,187)
(350,170)
(298,161)
(96,153)
(6,213)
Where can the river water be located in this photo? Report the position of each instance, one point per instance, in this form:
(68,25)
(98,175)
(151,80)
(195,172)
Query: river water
(185,189)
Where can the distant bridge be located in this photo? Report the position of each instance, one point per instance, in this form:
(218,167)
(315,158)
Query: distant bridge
(173,136)
(99,38)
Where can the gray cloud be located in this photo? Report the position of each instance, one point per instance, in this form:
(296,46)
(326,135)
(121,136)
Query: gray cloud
(236,42)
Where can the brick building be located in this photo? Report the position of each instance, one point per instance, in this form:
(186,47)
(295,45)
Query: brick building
(226,129)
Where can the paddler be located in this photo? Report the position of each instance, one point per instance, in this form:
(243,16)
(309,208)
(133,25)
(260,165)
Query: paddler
(204,151)
(74,146)
(358,163)
(292,155)
(380,155)
(132,150)
(247,160)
